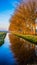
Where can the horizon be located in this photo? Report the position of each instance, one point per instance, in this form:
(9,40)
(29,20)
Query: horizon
(7,8)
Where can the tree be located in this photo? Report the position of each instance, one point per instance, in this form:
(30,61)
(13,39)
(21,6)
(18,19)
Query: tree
(23,22)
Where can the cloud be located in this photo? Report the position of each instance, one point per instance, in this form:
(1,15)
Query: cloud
(14,3)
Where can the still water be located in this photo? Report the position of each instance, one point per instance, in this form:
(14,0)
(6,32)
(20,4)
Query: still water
(6,55)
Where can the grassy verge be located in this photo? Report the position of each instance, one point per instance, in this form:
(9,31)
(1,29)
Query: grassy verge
(30,38)
(2,37)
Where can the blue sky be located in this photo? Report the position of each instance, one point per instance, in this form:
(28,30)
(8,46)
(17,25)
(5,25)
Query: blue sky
(7,7)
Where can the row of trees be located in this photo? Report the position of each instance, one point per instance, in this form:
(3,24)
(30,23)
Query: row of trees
(23,21)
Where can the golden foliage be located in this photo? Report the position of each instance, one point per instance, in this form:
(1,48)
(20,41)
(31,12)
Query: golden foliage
(23,22)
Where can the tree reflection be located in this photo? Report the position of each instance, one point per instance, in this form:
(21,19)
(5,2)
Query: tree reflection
(23,50)
(22,22)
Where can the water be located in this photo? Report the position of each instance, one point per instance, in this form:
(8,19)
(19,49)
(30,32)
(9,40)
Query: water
(36,50)
(6,55)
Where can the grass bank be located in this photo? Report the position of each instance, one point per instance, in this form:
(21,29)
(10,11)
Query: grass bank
(30,38)
(2,37)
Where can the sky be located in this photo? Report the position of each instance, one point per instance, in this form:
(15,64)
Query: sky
(7,8)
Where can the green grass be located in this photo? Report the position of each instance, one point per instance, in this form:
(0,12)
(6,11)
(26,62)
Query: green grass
(30,38)
(2,37)
(2,34)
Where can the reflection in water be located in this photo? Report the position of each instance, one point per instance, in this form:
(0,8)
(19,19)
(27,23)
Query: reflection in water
(6,56)
(24,52)
(36,49)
